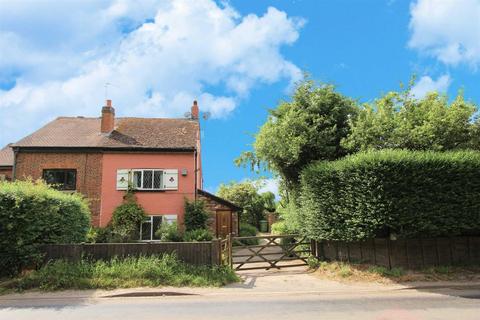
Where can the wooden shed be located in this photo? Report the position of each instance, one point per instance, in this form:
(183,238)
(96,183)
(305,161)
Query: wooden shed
(225,216)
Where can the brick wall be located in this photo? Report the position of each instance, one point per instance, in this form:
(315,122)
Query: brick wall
(88,166)
(7,172)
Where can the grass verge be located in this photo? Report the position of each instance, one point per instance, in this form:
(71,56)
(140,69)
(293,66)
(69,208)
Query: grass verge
(130,272)
(349,272)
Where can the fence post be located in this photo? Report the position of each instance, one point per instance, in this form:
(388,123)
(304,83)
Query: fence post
(216,253)
(228,249)
(313,248)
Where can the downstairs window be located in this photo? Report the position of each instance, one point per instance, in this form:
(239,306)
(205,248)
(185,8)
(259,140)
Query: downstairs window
(151,225)
(61,179)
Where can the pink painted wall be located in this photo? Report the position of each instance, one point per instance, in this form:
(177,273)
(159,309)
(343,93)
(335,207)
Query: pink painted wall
(154,202)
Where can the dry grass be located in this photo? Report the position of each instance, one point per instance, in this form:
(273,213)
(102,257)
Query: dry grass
(346,272)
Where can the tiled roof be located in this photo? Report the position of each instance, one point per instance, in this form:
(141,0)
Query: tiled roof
(6,156)
(145,133)
(219,200)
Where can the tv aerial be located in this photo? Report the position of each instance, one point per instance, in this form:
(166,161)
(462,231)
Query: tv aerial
(206,115)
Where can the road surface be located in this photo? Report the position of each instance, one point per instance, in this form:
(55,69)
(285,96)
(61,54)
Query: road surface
(397,304)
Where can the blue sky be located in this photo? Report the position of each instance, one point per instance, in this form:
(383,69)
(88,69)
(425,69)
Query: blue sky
(237,58)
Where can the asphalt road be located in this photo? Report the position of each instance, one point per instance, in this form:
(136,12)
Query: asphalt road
(405,305)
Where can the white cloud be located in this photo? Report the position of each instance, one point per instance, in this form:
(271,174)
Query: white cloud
(448,30)
(159,56)
(427,84)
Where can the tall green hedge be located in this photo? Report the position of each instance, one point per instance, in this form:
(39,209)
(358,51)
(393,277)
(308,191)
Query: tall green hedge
(375,194)
(32,214)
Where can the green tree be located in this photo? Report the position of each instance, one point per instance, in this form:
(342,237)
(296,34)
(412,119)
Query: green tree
(245,195)
(398,120)
(307,128)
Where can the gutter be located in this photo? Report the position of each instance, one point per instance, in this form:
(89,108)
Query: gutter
(195,155)
(102,149)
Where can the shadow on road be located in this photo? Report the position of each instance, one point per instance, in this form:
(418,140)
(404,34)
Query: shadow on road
(44,300)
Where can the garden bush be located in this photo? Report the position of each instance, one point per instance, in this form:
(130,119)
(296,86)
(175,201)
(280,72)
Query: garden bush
(247,230)
(198,235)
(126,220)
(168,232)
(196,216)
(32,214)
(380,193)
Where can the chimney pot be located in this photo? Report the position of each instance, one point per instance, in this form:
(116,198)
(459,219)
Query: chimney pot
(195,111)
(108,117)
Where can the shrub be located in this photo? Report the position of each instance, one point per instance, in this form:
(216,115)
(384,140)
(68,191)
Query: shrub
(126,220)
(280,227)
(154,271)
(168,232)
(198,235)
(196,216)
(32,214)
(247,230)
(410,194)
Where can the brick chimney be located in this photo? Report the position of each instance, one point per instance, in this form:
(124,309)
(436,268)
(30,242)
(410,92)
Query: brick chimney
(108,117)
(195,111)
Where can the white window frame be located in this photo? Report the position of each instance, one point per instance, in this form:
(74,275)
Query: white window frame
(141,180)
(166,218)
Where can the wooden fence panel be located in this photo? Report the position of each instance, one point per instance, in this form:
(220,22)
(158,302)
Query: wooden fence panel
(330,250)
(398,254)
(474,250)
(197,253)
(430,257)
(368,251)
(342,251)
(355,250)
(381,252)
(406,253)
(414,254)
(444,251)
(460,250)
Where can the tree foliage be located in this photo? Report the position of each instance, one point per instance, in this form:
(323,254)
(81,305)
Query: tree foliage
(307,128)
(245,195)
(399,120)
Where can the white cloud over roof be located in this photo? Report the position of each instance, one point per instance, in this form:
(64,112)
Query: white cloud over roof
(158,56)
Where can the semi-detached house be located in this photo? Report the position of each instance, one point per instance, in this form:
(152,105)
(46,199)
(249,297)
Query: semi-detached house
(100,157)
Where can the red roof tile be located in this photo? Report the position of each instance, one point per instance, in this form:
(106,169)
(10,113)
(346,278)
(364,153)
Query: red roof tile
(144,133)
(6,156)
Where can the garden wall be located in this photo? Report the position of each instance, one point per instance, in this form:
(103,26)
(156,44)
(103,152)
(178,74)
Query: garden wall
(196,253)
(405,253)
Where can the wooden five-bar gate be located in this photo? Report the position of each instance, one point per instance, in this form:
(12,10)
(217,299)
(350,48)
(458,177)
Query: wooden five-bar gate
(265,252)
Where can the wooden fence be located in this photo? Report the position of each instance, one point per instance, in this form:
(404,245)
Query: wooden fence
(196,253)
(407,253)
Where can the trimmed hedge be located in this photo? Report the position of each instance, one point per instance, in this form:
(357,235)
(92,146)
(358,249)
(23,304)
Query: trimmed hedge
(32,214)
(378,193)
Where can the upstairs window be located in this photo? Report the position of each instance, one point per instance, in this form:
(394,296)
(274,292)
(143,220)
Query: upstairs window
(61,179)
(147,179)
